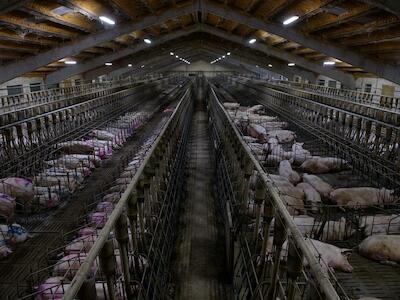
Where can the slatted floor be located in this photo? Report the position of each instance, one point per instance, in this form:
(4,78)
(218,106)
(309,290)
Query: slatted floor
(199,266)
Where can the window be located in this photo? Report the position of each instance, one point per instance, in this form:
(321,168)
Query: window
(296,79)
(14,89)
(35,87)
(332,83)
(368,88)
(321,82)
(77,82)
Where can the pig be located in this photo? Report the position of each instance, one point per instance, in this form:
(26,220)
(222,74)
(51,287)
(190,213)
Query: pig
(70,264)
(81,244)
(20,188)
(258,132)
(87,231)
(7,206)
(320,165)
(322,187)
(383,248)
(299,154)
(257,148)
(278,151)
(105,207)
(258,119)
(70,163)
(285,170)
(359,197)
(5,251)
(84,158)
(274,125)
(48,181)
(334,257)
(291,195)
(61,190)
(98,219)
(273,160)
(283,136)
(53,288)
(13,233)
(103,135)
(312,197)
(334,230)
(48,200)
(113,197)
(255,109)
(377,224)
(249,139)
(231,105)
(76,147)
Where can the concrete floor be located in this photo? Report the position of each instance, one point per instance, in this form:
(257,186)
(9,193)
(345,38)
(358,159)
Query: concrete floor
(199,266)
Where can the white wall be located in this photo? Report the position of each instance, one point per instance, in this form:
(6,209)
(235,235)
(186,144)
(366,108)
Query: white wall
(376,85)
(202,66)
(327,79)
(25,81)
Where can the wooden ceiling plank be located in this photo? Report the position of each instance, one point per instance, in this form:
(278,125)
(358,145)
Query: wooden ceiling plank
(74,20)
(129,7)
(40,28)
(268,9)
(375,37)
(15,37)
(380,23)
(326,20)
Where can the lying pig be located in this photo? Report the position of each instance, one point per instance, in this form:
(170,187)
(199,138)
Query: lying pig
(283,136)
(257,148)
(377,224)
(231,105)
(290,195)
(257,131)
(7,206)
(103,135)
(334,257)
(20,188)
(320,165)
(249,139)
(48,200)
(285,170)
(299,154)
(13,233)
(70,264)
(98,219)
(77,147)
(255,108)
(383,248)
(317,183)
(362,196)
(312,197)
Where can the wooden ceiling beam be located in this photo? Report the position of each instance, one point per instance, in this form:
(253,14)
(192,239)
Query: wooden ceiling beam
(9,35)
(385,47)
(379,23)
(326,20)
(375,37)
(307,9)
(18,47)
(10,5)
(268,9)
(39,28)
(129,7)
(73,20)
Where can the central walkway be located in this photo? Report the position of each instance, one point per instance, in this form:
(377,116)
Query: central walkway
(200,258)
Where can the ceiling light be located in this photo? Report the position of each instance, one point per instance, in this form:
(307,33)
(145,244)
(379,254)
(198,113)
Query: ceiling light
(108,63)
(290,20)
(270,65)
(228,53)
(291,64)
(129,65)
(70,62)
(256,66)
(147,41)
(107,20)
(171,53)
(252,41)
(176,56)
(142,66)
(329,63)
(223,56)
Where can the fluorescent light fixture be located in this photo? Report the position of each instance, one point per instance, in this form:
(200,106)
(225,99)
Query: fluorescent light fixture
(171,53)
(252,41)
(70,62)
(147,41)
(142,66)
(228,53)
(107,20)
(329,63)
(176,56)
(291,64)
(108,63)
(223,56)
(256,66)
(290,20)
(129,65)
(269,65)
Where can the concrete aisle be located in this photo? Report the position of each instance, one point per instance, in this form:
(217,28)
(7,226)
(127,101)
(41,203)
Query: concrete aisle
(199,266)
